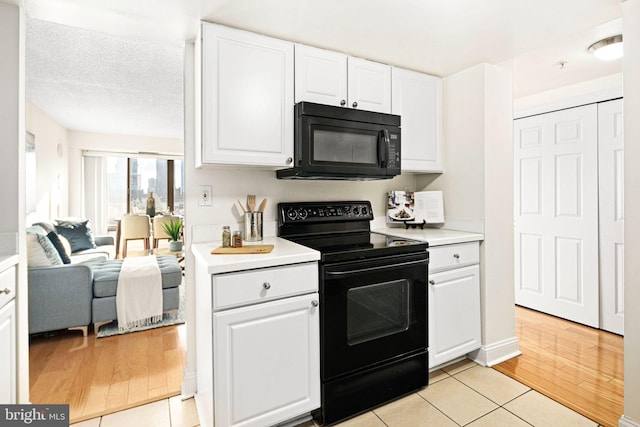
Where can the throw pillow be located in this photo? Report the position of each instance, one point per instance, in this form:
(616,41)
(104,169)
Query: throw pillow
(41,252)
(36,229)
(65,244)
(57,243)
(77,232)
(47,225)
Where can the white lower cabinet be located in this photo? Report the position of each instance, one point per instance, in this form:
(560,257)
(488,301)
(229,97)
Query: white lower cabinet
(266,362)
(8,349)
(454,302)
(8,353)
(258,352)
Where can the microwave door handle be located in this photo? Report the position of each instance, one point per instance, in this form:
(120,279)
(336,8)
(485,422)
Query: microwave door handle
(383,146)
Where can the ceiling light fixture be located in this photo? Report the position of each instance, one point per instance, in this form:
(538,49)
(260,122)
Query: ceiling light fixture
(607,49)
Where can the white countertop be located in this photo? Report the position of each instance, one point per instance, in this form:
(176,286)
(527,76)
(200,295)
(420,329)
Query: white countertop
(7,261)
(284,252)
(434,236)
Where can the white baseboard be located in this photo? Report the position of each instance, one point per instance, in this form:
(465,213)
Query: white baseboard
(492,354)
(189,385)
(626,422)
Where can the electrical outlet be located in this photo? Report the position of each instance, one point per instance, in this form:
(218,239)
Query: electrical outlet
(204,197)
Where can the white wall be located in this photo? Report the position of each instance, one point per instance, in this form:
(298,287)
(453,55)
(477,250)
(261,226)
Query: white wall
(600,89)
(79,141)
(631,69)
(12,162)
(51,167)
(478,191)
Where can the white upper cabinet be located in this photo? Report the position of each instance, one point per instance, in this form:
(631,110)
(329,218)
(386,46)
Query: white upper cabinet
(369,85)
(250,84)
(321,76)
(333,78)
(247,98)
(417,98)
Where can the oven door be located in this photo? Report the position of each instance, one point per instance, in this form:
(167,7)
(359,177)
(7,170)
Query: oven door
(372,311)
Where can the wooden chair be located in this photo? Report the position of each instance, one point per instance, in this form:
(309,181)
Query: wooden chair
(158,230)
(135,227)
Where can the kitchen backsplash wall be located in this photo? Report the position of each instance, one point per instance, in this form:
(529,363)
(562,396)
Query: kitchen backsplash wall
(229,185)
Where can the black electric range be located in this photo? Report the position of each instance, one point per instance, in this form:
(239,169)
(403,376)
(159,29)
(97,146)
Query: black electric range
(373,306)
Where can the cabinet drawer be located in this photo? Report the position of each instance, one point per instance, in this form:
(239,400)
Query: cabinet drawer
(453,256)
(7,285)
(266,284)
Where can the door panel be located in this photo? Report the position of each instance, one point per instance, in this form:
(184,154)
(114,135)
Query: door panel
(531,183)
(568,185)
(556,213)
(531,263)
(611,182)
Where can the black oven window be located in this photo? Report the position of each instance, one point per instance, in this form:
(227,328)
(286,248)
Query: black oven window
(377,310)
(343,147)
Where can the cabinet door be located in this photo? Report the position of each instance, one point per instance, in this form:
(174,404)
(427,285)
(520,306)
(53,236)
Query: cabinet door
(454,314)
(611,218)
(320,76)
(266,362)
(247,98)
(8,353)
(417,99)
(369,85)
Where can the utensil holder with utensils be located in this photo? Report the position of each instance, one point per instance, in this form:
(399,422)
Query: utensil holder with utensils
(253,226)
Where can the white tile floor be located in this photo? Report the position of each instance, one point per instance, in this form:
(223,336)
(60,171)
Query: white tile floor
(463,394)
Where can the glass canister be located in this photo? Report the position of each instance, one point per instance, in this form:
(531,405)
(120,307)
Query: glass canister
(226,236)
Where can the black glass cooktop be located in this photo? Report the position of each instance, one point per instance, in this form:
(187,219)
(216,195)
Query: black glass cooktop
(340,230)
(347,246)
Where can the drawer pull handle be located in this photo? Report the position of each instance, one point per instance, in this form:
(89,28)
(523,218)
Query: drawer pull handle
(315,303)
(456,256)
(432,282)
(5,291)
(266,285)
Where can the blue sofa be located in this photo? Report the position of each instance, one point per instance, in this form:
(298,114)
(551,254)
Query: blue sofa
(60,296)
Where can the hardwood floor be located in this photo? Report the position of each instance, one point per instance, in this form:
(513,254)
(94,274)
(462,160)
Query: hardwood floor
(575,365)
(97,376)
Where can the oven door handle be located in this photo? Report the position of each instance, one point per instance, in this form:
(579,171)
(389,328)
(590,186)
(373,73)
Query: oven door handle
(375,268)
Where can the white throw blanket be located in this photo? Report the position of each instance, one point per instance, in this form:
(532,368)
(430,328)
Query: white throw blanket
(139,293)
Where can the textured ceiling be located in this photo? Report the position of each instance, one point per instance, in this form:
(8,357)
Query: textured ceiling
(101,83)
(116,66)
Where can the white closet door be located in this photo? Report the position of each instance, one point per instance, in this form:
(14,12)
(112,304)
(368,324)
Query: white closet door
(556,212)
(611,181)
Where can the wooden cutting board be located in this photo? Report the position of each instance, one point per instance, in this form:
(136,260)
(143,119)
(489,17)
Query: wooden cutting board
(248,249)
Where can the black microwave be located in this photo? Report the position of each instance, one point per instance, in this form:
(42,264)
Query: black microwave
(343,143)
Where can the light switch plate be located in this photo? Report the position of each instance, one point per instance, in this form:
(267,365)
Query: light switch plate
(204,196)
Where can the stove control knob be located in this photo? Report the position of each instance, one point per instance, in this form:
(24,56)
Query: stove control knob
(364,210)
(302,213)
(356,210)
(292,214)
